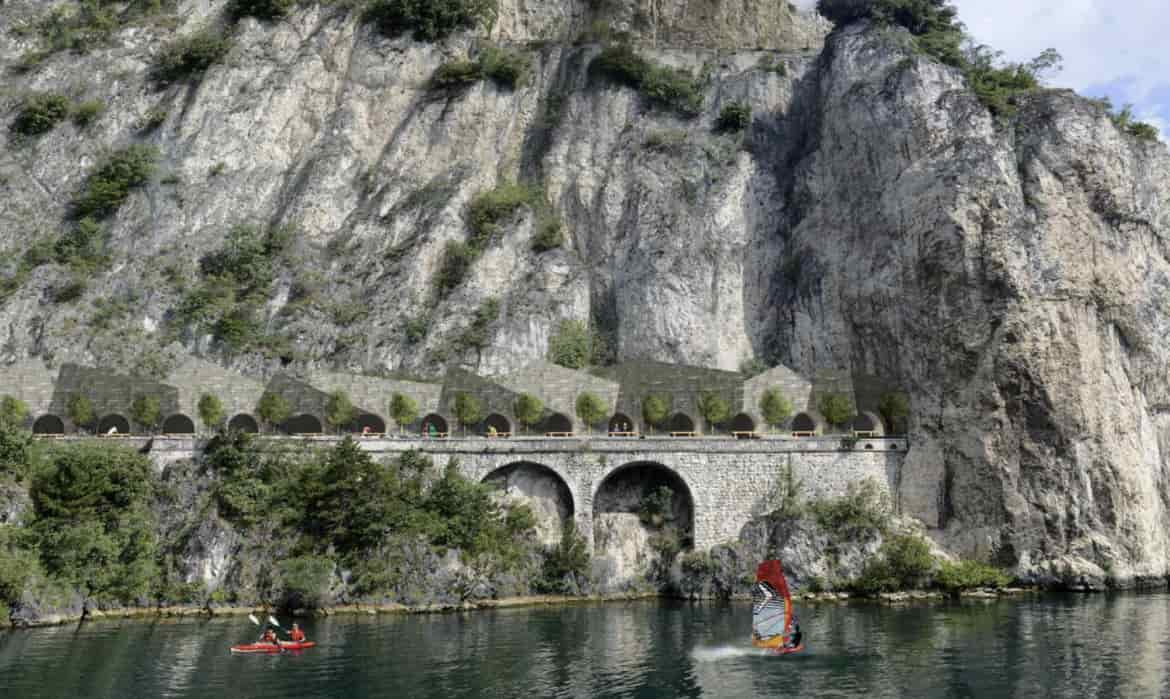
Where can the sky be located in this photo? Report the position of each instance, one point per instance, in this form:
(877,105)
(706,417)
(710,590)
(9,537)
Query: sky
(1111,48)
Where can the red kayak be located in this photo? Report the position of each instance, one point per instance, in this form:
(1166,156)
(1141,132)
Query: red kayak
(269,648)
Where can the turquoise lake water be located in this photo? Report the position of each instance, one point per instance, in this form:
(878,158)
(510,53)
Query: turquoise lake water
(1046,646)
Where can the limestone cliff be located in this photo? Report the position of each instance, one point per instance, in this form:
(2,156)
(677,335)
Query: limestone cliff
(874,217)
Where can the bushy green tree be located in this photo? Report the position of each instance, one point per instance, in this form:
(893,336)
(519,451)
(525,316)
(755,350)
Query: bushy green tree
(590,408)
(260,9)
(273,409)
(655,410)
(775,408)
(403,409)
(894,408)
(575,345)
(339,410)
(429,20)
(565,565)
(305,582)
(528,410)
(92,522)
(902,562)
(468,410)
(734,117)
(713,409)
(79,410)
(146,411)
(967,575)
(837,409)
(13,411)
(210,411)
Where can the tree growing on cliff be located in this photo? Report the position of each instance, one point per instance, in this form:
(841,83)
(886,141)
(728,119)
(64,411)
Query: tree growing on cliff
(654,410)
(528,410)
(210,411)
(713,409)
(894,408)
(79,410)
(339,410)
(468,410)
(273,409)
(403,409)
(146,411)
(775,408)
(837,409)
(590,408)
(572,344)
(429,20)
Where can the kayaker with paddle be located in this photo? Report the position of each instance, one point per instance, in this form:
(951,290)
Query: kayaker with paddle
(295,634)
(270,637)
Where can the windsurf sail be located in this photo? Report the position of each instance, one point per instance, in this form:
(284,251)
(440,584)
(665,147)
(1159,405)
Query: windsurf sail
(771,607)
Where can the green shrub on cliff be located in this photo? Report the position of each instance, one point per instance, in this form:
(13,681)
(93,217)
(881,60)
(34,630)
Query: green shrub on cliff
(190,56)
(837,409)
(260,9)
(92,524)
(429,20)
(108,186)
(39,113)
(668,87)
(575,345)
(305,582)
(903,562)
(505,67)
(862,513)
(734,117)
(565,565)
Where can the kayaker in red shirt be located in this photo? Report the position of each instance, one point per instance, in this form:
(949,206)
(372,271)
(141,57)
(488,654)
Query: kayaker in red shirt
(296,635)
(269,637)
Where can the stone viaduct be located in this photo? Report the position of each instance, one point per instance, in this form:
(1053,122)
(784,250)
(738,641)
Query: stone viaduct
(719,483)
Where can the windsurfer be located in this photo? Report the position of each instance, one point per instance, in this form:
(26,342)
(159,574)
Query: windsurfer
(795,637)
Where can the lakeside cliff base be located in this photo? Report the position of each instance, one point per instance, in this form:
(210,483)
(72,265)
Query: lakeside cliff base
(207,612)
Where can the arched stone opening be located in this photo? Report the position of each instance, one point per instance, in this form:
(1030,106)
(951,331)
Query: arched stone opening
(48,424)
(178,424)
(243,423)
(868,422)
(621,423)
(543,490)
(809,422)
(434,425)
(113,424)
(742,423)
(681,422)
(302,424)
(558,423)
(500,424)
(630,515)
(367,423)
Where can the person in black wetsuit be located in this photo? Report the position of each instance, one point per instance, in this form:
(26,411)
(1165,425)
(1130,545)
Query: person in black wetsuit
(795,637)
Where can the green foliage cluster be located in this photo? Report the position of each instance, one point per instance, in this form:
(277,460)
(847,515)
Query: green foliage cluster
(528,410)
(862,513)
(665,140)
(713,408)
(591,409)
(339,410)
(774,407)
(894,408)
(576,345)
(403,409)
(415,329)
(210,411)
(458,257)
(1125,122)
(108,186)
(305,582)
(734,117)
(273,408)
(13,411)
(146,411)
(655,410)
(345,506)
(939,34)
(566,564)
(150,121)
(92,526)
(836,408)
(82,248)
(476,336)
(550,235)
(260,9)
(967,575)
(656,508)
(235,282)
(902,562)
(505,67)
(467,410)
(429,20)
(668,87)
(188,57)
(16,444)
(82,28)
(489,209)
(79,410)
(85,113)
(39,113)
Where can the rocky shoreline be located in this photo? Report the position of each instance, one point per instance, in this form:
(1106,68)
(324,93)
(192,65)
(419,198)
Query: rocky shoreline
(212,611)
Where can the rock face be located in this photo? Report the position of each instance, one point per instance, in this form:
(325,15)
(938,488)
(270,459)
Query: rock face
(874,217)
